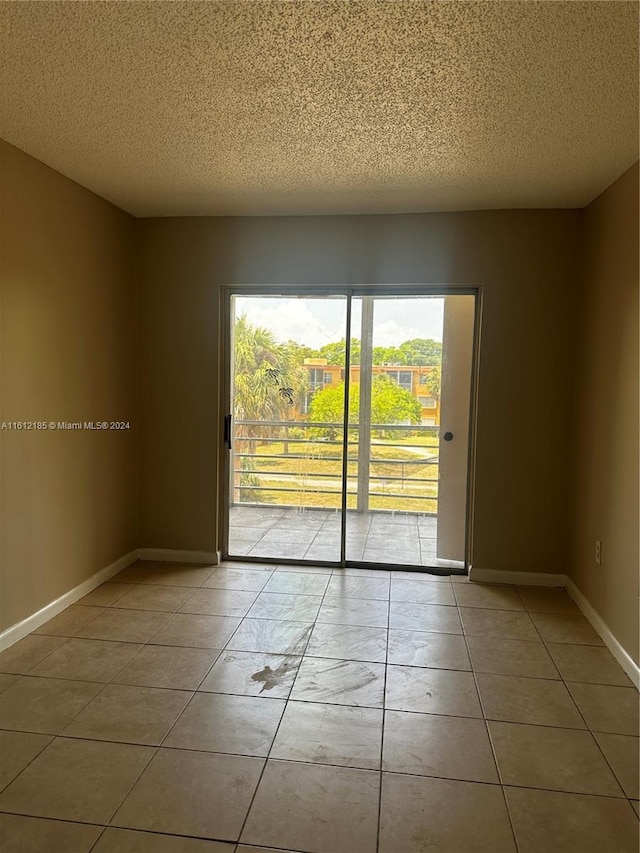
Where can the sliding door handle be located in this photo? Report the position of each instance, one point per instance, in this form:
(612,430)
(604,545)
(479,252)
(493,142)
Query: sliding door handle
(227,431)
(448,436)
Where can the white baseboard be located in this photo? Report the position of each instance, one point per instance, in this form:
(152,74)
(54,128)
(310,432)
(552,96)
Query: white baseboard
(617,650)
(167,555)
(519,578)
(16,632)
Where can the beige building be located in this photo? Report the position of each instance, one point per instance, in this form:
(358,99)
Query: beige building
(410,377)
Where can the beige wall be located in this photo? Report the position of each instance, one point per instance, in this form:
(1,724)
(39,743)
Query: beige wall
(526,262)
(67,352)
(605,480)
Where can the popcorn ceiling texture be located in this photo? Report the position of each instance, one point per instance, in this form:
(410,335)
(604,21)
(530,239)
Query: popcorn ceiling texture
(222,108)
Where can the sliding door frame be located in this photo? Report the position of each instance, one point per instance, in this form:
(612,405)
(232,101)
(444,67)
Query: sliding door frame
(349,292)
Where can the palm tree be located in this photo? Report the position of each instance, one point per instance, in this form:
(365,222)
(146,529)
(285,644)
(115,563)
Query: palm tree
(268,380)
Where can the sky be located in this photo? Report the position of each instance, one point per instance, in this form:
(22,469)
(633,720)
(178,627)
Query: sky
(316,321)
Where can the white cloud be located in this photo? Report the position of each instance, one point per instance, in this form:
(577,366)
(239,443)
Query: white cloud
(321,320)
(288,319)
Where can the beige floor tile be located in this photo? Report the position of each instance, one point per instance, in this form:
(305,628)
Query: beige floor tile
(340,682)
(594,664)
(17,749)
(442,816)
(6,681)
(418,648)
(219,602)
(348,642)
(352,586)
(147,596)
(192,793)
(131,841)
(44,705)
(565,628)
(243,848)
(171,575)
(330,734)
(509,698)
(636,806)
(125,626)
(298,582)
(424,617)
(305,568)
(354,611)
(86,660)
(423,576)
(70,621)
(488,596)
(251,580)
(293,801)
(421,591)
(62,781)
(271,635)
(607,709)
(432,691)
(430,745)
(538,599)
(107,594)
(200,632)
(135,573)
(252,674)
(129,714)
(217,722)
(255,567)
(28,652)
(571,823)
(19,834)
(279,605)
(167,666)
(557,759)
(528,658)
(497,624)
(623,754)
(363,573)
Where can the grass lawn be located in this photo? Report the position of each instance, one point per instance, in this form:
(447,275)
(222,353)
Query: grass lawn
(318,465)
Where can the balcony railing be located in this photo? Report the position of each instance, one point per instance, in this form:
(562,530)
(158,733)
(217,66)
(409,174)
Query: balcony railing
(299,464)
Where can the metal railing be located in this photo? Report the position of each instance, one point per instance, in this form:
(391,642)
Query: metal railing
(264,476)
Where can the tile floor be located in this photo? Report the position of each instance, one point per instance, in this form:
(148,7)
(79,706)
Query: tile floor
(254,708)
(313,534)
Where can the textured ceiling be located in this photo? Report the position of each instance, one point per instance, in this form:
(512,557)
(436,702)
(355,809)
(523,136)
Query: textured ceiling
(194,108)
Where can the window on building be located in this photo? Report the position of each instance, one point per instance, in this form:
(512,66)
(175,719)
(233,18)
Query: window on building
(316,377)
(328,377)
(401,377)
(427,402)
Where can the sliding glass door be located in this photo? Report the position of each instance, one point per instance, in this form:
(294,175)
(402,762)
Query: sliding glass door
(347,434)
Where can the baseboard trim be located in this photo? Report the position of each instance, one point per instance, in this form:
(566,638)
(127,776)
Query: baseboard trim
(168,555)
(597,622)
(16,632)
(520,578)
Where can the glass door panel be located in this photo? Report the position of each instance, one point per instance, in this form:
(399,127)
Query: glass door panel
(287,433)
(407,482)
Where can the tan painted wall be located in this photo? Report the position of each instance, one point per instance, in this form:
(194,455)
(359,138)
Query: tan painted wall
(605,477)
(526,261)
(67,352)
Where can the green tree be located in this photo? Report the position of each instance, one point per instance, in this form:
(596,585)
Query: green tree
(390,404)
(433,381)
(335,352)
(422,351)
(268,378)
